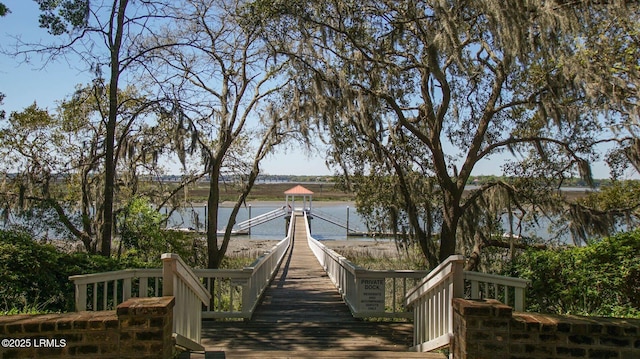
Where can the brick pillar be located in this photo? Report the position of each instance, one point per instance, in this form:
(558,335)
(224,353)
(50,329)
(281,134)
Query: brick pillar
(146,326)
(481,329)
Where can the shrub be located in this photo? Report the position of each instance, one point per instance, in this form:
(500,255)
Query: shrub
(143,235)
(34,276)
(602,278)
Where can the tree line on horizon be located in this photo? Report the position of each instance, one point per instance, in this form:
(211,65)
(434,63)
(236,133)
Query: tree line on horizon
(408,95)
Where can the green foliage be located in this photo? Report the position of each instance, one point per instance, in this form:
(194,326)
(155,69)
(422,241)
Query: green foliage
(142,234)
(614,208)
(618,195)
(600,279)
(59,16)
(34,276)
(4,10)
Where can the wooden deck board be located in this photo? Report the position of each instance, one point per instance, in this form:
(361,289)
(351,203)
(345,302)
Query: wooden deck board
(326,354)
(303,311)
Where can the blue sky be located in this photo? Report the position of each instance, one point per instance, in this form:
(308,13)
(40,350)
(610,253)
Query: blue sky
(26,83)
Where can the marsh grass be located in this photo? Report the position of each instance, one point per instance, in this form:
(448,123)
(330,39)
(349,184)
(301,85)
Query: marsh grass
(26,307)
(240,259)
(408,258)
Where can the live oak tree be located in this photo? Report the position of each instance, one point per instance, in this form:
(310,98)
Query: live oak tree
(411,90)
(105,37)
(54,166)
(47,175)
(606,61)
(220,77)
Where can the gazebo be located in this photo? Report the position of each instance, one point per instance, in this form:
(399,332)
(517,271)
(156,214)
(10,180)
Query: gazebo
(298,191)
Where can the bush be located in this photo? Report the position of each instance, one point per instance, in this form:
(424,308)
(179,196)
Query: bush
(602,278)
(35,276)
(143,236)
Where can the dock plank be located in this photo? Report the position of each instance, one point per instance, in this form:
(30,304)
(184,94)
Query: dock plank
(303,311)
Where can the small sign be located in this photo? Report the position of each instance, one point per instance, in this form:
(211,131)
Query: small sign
(371,295)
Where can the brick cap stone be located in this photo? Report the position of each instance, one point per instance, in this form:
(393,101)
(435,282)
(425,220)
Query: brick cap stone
(481,307)
(22,319)
(146,306)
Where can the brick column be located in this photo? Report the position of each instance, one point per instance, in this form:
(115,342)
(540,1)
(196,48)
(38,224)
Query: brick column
(481,329)
(146,326)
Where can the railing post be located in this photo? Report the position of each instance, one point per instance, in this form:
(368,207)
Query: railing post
(126,289)
(81,297)
(169,266)
(519,299)
(247,295)
(143,287)
(457,269)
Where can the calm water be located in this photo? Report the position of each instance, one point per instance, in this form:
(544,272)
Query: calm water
(274,229)
(320,229)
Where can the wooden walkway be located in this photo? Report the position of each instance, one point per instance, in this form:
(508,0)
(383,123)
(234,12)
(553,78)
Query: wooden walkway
(303,316)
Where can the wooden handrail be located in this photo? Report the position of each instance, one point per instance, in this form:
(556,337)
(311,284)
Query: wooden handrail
(172,263)
(351,282)
(431,301)
(179,281)
(508,290)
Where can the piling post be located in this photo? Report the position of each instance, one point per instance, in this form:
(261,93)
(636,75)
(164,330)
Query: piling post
(347,222)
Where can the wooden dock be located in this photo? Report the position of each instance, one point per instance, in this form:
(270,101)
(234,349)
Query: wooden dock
(302,315)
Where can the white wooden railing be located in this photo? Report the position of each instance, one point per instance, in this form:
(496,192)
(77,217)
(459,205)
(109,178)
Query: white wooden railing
(368,293)
(179,281)
(235,292)
(104,291)
(431,299)
(262,272)
(507,290)
(431,304)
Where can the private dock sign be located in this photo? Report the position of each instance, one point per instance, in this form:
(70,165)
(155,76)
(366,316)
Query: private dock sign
(371,295)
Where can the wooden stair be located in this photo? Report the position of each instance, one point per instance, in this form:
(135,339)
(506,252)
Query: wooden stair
(306,354)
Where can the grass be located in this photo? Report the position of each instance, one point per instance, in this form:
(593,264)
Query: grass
(29,308)
(409,259)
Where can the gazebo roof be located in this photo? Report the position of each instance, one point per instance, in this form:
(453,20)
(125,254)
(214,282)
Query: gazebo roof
(298,190)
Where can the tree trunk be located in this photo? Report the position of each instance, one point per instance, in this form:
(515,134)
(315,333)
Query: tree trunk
(110,166)
(109,182)
(213,256)
(448,232)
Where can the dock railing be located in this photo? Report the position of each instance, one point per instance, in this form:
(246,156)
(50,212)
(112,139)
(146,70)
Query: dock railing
(235,292)
(431,299)
(431,304)
(179,281)
(508,290)
(104,291)
(262,272)
(368,293)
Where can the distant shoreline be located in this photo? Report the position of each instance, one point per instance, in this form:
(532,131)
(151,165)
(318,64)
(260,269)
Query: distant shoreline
(571,193)
(271,203)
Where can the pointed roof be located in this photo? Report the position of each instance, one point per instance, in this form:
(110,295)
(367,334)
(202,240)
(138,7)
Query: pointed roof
(298,190)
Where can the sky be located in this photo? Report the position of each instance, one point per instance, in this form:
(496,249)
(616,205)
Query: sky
(26,83)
